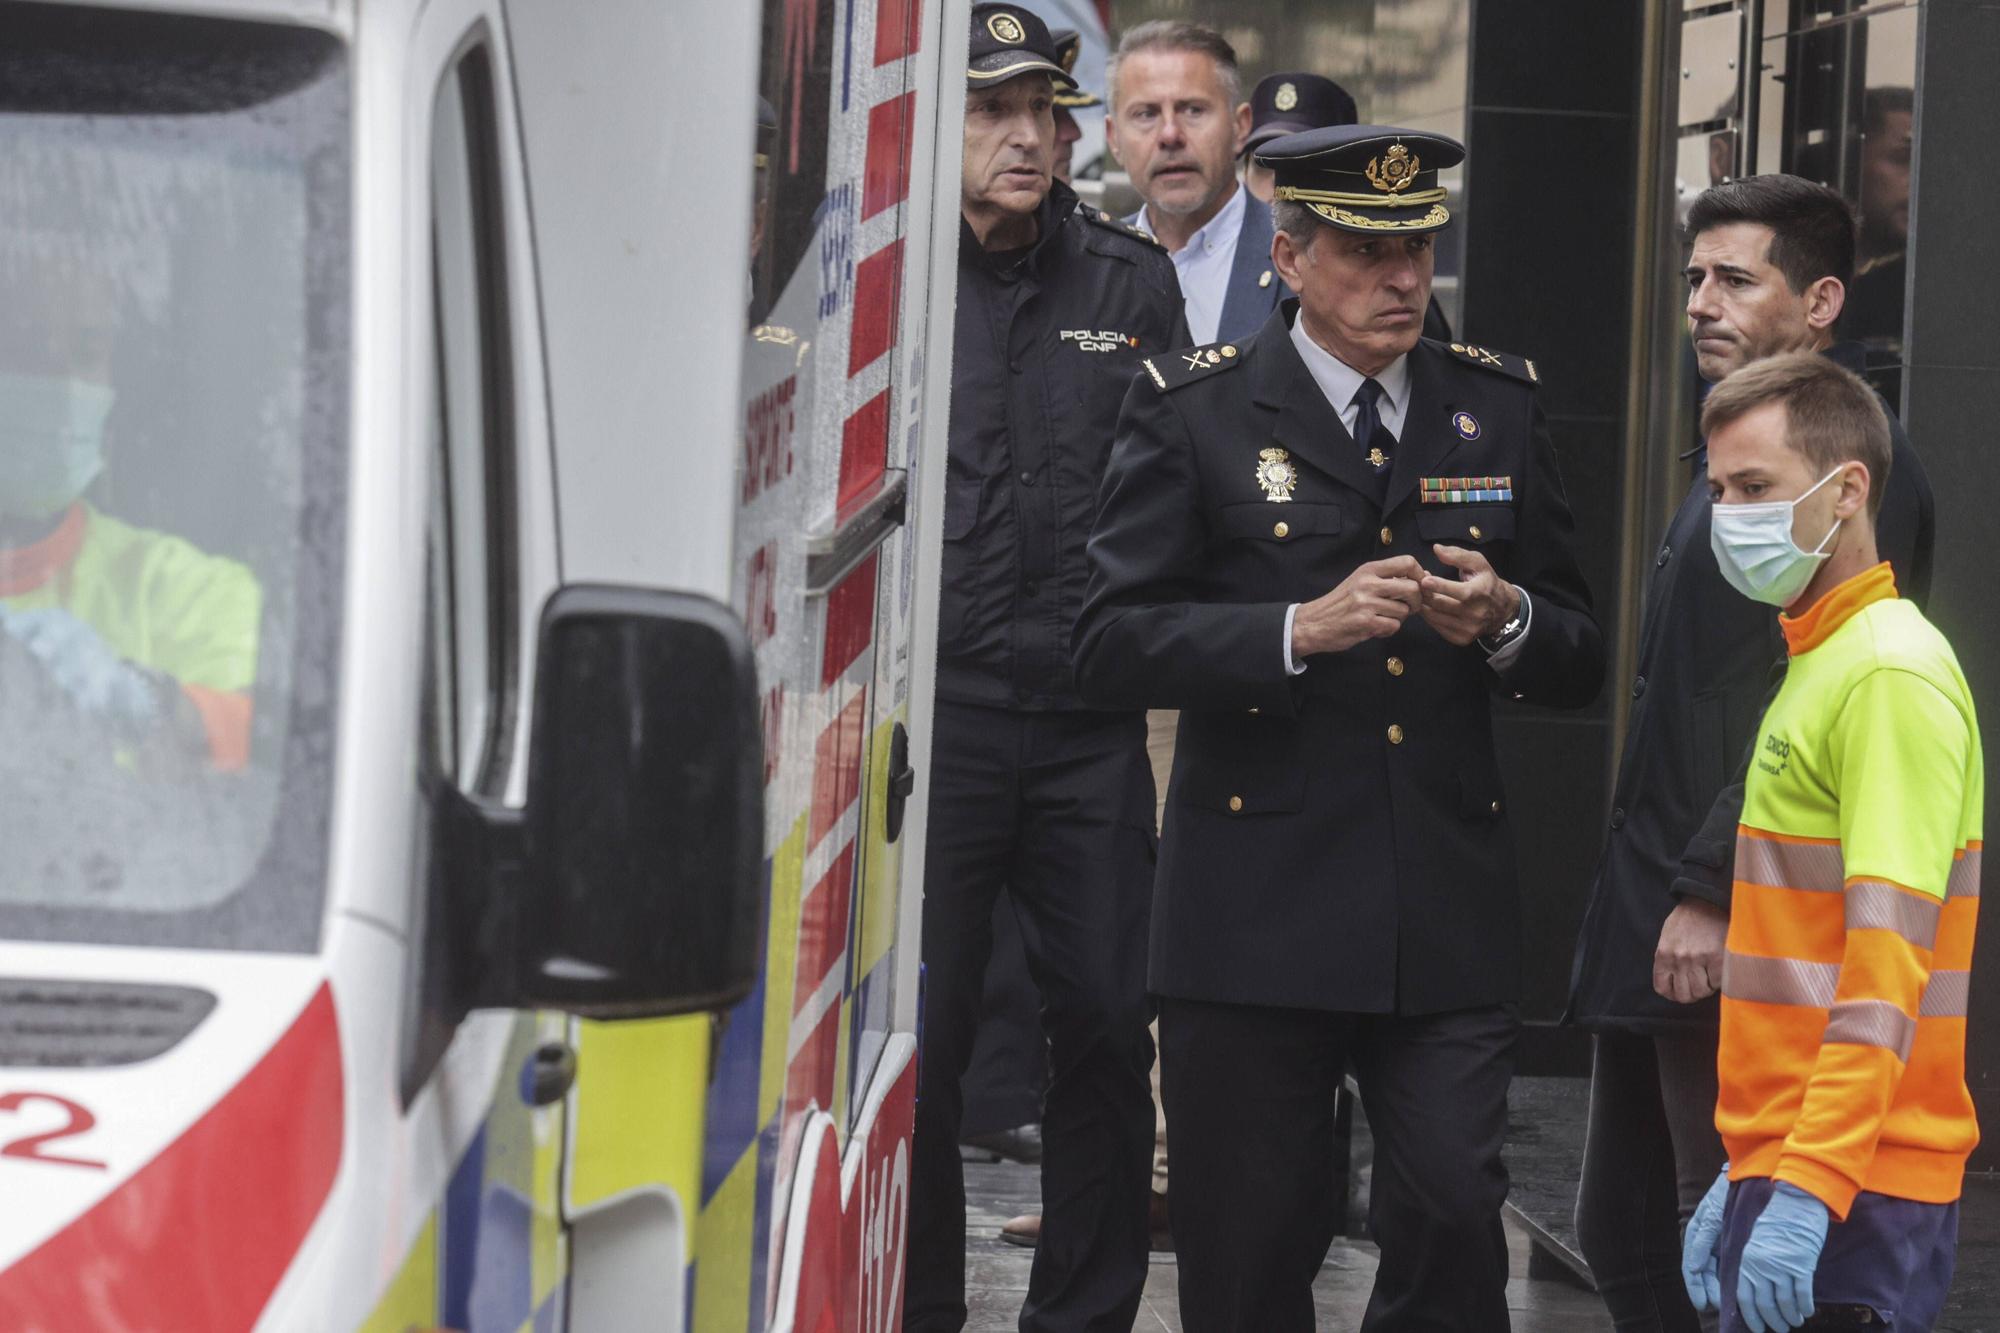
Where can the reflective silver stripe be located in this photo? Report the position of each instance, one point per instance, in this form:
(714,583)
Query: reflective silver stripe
(1779,980)
(1874,905)
(1814,866)
(1871,1023)
(1964,879)
(1947,996)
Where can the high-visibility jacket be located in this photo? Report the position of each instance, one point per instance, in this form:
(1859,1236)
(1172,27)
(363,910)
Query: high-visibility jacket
(157,602)
(1844,991)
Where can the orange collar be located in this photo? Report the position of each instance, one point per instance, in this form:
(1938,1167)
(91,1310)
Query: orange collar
(26,568)
(1838,606)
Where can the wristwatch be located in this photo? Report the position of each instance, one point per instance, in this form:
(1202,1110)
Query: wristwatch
(1508,632)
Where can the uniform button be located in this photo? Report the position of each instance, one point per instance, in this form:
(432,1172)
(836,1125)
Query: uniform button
(1235,804)
(1476,533)
(1255,711)
(1014,366)
(1395,666)
(1387,536)
(1638,687)
(1281,530)
(1666,554)
(1027,478)
(1618,818)
(1395,734)
(1496,807)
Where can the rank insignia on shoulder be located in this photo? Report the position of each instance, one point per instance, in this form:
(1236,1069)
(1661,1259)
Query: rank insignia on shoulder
(1465,490)
(1520,367)
(1184,367)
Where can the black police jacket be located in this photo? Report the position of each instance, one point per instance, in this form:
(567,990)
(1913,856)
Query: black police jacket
(1709,660)
(1047,341)
(1336,840)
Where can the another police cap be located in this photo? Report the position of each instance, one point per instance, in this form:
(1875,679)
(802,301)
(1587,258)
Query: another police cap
(1007,42)
(1288,103)
(1365,178)
(1069,43)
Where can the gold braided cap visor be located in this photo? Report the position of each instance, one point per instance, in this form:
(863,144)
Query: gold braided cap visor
(1373,199)
(1057,75)
(1437,218)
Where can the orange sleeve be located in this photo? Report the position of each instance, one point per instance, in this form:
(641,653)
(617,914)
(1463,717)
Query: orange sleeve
(225,716)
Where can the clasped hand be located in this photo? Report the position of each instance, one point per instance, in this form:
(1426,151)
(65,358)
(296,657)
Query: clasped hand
(1375,600)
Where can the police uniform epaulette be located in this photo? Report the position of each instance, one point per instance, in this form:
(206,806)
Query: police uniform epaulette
(1520,367)
(1110,223)
(1173,369)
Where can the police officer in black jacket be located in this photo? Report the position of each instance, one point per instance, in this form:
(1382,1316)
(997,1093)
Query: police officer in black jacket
(1770,257)
(1030,789)
(1330,545)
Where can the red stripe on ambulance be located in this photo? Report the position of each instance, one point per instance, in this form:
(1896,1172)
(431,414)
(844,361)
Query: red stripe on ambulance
(885,181)
(201,1234)
(878,287)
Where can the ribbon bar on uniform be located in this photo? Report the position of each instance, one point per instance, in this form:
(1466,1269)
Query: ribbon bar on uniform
(1465,490)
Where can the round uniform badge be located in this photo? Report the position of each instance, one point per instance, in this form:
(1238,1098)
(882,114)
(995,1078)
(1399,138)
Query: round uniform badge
(1466,426)
(1287,97)
(1006,29)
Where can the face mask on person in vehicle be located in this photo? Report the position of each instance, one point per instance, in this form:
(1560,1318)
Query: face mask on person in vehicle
(1753,545)
(51,441)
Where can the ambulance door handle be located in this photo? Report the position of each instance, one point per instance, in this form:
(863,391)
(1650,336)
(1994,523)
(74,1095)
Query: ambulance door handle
(902,782)
(547,1076)
(861,527)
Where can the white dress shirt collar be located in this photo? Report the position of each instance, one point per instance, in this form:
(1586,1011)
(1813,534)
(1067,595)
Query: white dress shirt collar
(1204,263)
(1340,382)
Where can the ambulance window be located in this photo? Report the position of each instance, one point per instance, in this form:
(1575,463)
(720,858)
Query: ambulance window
(472,511)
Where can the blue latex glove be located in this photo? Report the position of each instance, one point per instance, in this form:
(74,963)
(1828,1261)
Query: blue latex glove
(96,679)
(1774,1287)
(1699,1247)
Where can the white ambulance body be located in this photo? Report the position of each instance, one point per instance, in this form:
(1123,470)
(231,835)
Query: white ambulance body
(561,387)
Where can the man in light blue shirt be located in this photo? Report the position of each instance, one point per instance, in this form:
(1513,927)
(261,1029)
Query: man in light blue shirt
(1177,125)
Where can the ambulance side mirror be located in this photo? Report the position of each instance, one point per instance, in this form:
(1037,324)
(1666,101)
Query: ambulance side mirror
(643,851)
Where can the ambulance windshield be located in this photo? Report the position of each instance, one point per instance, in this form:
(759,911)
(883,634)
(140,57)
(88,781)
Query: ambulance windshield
(173,362)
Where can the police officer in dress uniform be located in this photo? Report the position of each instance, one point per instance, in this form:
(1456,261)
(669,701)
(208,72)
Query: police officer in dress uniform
(1031,789)
(1329,545)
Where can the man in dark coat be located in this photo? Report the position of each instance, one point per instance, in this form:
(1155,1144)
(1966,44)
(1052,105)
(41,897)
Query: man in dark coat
(1030,789)
(1767,271)
(1328,545)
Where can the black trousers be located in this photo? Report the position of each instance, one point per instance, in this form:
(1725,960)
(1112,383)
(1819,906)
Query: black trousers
(1650,1152)
(1009,1070)
(1249,1095)
(1058,809)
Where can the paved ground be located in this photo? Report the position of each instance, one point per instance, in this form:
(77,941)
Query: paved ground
(997,1273)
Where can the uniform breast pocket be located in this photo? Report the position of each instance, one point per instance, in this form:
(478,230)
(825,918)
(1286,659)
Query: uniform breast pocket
(1278,524)
(963,492)
(1475,526)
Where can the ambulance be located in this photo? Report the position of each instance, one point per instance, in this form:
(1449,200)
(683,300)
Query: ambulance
(469,482)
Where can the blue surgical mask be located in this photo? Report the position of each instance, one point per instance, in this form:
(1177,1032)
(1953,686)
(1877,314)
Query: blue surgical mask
(51,441)
(1753,545)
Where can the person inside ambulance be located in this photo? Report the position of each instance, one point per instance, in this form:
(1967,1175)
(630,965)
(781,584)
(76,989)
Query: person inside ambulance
(111,635)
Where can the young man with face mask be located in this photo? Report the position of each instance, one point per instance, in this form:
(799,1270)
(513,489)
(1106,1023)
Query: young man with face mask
(1329,546)
(1030,788)
(145,641)
(1766,272)
(1843,1102)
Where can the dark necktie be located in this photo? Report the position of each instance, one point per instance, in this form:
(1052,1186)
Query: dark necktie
(1374,438)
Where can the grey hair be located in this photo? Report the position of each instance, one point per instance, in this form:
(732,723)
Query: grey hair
(1296,220)
(1175,35)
